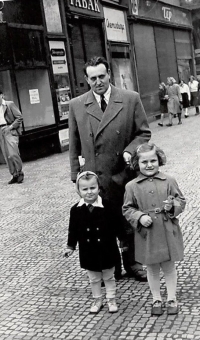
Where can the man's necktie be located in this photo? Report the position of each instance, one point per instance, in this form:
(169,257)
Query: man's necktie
(103,103)
(90,207)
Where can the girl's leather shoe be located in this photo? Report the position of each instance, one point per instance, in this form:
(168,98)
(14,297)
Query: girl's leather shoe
(157,308)
(172,307)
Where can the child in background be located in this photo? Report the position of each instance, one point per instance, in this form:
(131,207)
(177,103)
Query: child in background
(185,93)
(152,202)
(95,226)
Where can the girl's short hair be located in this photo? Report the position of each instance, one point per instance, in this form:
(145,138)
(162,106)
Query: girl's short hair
(145,148)
(85,175)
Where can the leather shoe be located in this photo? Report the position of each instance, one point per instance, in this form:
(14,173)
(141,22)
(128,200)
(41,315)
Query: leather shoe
(157,308)
(20,178)
(138,274)
(172,307)
(13,180)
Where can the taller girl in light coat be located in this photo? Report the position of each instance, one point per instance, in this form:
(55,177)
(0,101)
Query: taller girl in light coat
(151,204)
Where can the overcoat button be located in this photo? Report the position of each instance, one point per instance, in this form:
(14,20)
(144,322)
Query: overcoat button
(97,228)
(88,229)
(88,240)
(117,153)
(118,132)
(96,154)
(98,240)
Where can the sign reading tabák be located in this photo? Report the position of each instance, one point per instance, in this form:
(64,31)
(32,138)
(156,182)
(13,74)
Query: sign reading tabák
(115,24)
(86,6)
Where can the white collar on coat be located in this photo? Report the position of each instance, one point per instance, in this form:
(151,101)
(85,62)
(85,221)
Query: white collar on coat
(97,203)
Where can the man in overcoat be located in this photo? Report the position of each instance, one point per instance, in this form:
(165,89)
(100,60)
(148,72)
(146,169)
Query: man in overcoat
(105,125)
(10,130)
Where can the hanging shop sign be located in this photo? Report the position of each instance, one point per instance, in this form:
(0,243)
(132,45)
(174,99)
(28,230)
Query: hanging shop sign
(115,24)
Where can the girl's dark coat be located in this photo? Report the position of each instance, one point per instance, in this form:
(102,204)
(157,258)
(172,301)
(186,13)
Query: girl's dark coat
(96,234)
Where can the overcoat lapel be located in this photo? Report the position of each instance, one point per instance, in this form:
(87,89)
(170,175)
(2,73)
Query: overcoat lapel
(4,108)
(103,119)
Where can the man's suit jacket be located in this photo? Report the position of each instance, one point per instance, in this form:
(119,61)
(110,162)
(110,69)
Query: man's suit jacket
(101,138)
(13,116)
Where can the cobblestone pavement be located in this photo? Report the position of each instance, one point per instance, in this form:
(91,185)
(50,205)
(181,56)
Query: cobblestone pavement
(45,296)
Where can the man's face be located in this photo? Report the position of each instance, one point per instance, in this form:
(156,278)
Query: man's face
(98,78)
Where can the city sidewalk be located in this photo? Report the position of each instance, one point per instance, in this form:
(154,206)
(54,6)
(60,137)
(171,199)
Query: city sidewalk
(46,296)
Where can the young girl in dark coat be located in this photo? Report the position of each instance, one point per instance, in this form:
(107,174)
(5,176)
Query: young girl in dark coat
(95,226)
(152,203)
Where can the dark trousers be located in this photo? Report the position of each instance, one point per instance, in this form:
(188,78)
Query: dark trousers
(127,257)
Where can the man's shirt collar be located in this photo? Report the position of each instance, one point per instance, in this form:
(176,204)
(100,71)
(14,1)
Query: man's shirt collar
(106,95)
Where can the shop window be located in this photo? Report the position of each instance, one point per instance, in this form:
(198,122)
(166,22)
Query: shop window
(121,67)
(86,41)
(5,50)
(146,58)
(61,77)
(35,98)
(28,47)
(166,53)
(7,86)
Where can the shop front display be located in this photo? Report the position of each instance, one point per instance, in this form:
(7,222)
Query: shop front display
(161,36)
(119,49)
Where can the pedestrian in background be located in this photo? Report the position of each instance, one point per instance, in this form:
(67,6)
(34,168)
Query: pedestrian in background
(163,102)
(10,130)
(105,125)
(185,93)
(95,226)
(152,203)
(174,100)
(194,91)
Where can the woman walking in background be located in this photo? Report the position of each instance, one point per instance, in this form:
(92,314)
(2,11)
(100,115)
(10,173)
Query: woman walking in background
(194,87)
(174,100)
(185,93)
(163,102)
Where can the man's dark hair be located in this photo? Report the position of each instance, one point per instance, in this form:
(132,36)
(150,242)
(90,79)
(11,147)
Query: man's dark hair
(1,92)
(94,61)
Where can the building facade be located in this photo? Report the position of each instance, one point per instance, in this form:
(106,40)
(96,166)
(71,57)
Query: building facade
(45,44)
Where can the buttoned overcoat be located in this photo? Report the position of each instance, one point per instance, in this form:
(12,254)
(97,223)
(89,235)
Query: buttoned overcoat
(162,241)
(101,138)
(96,233)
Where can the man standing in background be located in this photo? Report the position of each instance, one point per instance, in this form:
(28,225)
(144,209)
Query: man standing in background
(10,129)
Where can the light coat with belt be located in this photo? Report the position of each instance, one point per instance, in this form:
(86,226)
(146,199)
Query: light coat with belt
(162,241)
(101,138)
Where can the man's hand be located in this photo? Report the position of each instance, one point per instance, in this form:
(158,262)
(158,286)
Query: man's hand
(127,157)
(145,220)
(68,252)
